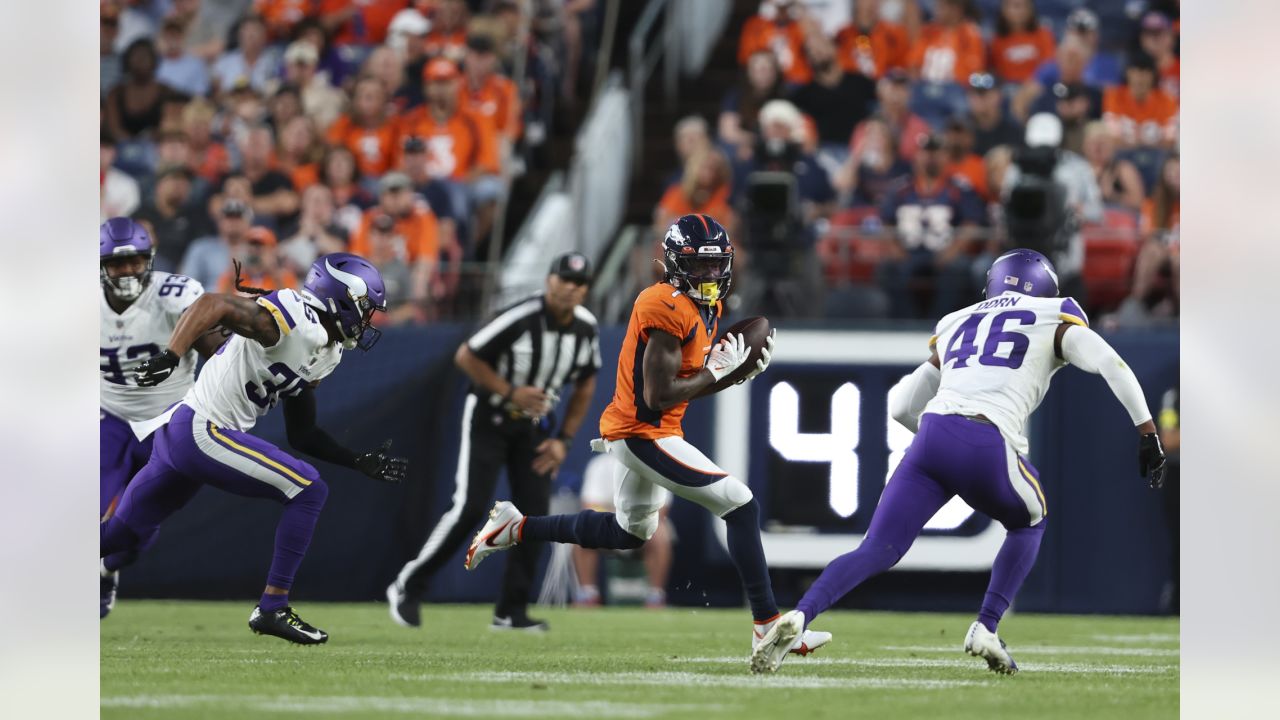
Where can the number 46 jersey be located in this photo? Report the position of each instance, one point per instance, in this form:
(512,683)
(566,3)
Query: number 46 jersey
(138,334)
(997,359)
(244,379)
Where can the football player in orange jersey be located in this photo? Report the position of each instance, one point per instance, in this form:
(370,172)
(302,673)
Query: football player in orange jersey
(669,357)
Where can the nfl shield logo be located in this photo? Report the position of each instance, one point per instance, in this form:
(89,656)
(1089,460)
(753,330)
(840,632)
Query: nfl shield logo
(1027,286)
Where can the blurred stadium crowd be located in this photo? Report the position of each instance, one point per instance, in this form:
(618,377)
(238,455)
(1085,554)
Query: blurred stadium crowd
(270,131)
(889,149)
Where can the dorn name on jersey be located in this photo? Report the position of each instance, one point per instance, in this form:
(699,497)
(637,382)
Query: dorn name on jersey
(138,334)
(997,358)
(245,379)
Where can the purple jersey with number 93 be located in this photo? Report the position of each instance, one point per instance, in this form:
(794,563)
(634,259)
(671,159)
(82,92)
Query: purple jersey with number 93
(997,359)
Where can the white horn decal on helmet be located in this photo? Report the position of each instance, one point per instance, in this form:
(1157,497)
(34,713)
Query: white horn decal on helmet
(355,284)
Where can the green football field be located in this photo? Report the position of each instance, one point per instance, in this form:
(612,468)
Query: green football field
(199,660)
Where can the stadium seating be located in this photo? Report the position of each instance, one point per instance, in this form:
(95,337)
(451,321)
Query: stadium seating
(1109,252)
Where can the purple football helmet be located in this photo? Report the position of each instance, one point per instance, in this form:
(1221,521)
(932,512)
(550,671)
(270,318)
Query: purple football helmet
(121,237)
(350,289)
(1022,271)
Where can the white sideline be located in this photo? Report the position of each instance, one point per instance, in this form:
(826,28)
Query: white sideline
(414,705)
(688,679)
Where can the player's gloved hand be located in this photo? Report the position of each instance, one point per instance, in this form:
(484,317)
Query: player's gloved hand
(766,354)
(1151,459)
(727,356)
(379,466)
(157,369)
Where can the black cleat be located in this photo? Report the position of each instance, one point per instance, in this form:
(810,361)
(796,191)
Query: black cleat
(107,585)
(286,624)
(519,621)
(406,612)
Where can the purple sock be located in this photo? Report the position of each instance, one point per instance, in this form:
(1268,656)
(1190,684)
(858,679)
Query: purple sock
(270,602)
(293,533)
(1016,557)
(845,573)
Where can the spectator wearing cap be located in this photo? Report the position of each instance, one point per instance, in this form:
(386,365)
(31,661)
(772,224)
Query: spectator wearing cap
(260,265)
(406,39)
(135,107)
(275,200)
(870,45)
(438,194)
(179,69)
(1139,113)
(1076,105)
(836,100)
(488,94)
(1118,179)
(991,125)
(933,228)
(893,92)
(209,158)
(300,153)
(873,166)
(320,101)
(118,191)
(1020,43)
(462,148)
(704,189)
(739,109)
(960,162)
(368,129)
(950,48)
(1157,39)
(318,231)
(448,36)
(206,259)
(253,61)
(358,23)
(415,222)
(1068,68)
(779,28)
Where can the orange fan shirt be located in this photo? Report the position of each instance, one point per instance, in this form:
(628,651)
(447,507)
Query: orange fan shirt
(873,53)
(674,204)
(974,171)
(450,45)
(455,146)
(496,100)
(282,15)
(1150,122)
(943,54)
(374,148)
(1015,57)
(786,42)
(658,307)
(419,229)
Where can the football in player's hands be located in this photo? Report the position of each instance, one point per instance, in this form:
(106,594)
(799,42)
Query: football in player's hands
(758,335)
(157,369)
(379,466)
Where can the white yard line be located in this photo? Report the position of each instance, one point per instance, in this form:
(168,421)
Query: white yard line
(1072,668)
(415,705)
(1019,650)
(687,679)
(1147,638)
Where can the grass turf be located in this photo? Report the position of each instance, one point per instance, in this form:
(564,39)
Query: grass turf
(199,660)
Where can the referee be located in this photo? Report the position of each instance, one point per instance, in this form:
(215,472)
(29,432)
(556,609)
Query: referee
(517,364)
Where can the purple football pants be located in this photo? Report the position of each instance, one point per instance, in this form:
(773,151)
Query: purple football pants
(951,455)
(190,452)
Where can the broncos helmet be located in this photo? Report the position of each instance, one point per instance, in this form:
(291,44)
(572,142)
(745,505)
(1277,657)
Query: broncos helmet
(121,237)
(349,289)
(1022,271)
(697,258)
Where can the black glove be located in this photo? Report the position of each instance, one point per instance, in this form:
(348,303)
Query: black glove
(1151,459)
(378,466)
(157,369)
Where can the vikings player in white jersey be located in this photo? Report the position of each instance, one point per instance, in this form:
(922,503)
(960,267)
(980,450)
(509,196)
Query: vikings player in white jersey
(139,308)
(283,344)
(990,366)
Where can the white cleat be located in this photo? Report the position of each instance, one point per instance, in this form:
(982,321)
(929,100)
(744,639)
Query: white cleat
(771,642)
(981,642)
(499,533)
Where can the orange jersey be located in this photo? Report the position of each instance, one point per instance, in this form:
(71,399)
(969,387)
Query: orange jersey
(786,42)
(974,171)
(419,229)
(456,146)
(658,307)
(675,204)
(374,148)
(497,100)
(944,54)
(1150,122)
(1015,57)
(873,53)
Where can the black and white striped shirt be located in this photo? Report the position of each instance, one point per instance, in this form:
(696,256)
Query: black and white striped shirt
(525,347)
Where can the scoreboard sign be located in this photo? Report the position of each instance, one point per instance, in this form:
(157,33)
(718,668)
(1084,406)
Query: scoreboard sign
(814,440)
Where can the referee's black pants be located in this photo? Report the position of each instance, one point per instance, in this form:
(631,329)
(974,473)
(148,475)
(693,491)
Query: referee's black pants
(491,440)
